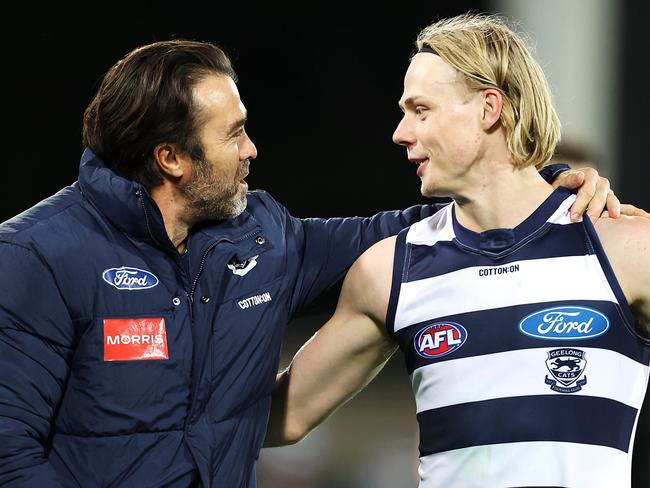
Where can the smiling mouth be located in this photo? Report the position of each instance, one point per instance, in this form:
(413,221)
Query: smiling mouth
(421,165)
(244,174)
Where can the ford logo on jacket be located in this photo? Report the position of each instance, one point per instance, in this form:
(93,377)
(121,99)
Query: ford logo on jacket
(125,278)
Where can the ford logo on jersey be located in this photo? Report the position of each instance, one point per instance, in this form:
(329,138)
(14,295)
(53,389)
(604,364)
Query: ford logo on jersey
(126,278)
(568,322)
(439,339)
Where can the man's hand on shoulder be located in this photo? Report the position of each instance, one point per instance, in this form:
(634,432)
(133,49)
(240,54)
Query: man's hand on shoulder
(594,196)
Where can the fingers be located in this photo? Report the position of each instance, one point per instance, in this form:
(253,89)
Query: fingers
(592,195)
(570,179)
(603,198)
(613,205)
(632,211)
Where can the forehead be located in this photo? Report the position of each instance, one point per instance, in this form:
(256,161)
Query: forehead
(428,74)
(218,99)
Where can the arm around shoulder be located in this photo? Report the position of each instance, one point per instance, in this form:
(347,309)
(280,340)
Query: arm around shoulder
(342,357)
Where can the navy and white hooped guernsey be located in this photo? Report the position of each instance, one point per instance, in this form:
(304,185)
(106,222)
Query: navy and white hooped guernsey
(522,352)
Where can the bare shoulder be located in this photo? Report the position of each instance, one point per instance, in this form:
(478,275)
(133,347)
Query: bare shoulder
(626,241)
(378,258)
(367,284)
(630,233)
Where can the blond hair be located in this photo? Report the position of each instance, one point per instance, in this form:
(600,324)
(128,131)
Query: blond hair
(491,55)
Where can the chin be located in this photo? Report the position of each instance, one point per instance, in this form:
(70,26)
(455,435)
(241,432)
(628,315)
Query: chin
(433,192)
(239,206)
(427,191)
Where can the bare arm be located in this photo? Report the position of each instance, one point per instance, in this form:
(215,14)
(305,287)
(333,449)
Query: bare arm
(342,357)
(627,244)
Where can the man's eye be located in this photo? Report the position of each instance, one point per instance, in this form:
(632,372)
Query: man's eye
(419,111)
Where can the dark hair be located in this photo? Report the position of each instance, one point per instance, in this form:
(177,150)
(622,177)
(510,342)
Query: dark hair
(145,99)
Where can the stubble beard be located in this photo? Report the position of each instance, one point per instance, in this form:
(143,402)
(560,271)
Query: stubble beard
(211,198)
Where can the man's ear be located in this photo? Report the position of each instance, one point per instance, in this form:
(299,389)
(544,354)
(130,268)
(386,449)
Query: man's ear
(171,162)
(492,105)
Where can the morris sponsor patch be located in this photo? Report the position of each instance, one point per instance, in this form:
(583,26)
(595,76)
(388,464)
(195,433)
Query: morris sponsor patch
(135,339)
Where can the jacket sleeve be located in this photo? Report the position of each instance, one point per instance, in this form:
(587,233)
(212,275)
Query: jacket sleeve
(328,247)
(35,350)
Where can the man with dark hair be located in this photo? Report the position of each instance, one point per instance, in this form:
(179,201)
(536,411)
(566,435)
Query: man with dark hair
(142,308)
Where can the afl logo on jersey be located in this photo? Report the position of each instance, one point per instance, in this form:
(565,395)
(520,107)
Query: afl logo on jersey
(439,339)
(568,322)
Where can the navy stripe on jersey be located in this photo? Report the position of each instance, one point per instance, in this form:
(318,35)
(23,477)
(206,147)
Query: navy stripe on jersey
(497,330)
(563,418)
(398,266)
(446,256)
(526,230)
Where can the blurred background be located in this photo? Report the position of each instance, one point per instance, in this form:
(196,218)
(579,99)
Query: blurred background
(321,82)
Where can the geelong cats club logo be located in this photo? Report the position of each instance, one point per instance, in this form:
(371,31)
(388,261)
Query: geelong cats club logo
(439,339)
(566,365)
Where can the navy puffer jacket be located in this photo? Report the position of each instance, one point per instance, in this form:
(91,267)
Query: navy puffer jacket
(126,364)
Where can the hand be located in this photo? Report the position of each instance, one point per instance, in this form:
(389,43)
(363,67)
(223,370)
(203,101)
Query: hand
(594,194)
(630,210)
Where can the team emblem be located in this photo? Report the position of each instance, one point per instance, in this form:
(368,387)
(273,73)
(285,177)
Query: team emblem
(241,268)
(566,365)
(439,339)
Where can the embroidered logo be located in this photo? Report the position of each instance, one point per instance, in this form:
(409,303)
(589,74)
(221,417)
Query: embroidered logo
(569,322)
(135,339)
(439,339)
(126,278)
(566,365)
(254,300)
(240,268)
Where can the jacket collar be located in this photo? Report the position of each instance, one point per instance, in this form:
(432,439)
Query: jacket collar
(128,206)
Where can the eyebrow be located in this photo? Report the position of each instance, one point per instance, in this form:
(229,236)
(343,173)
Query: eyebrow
(237,124)
(410,101)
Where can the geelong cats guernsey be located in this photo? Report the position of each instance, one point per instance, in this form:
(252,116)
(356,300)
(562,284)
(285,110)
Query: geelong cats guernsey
(522,351)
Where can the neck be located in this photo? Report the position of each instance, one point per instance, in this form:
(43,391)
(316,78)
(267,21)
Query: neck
(500,196)
(171,205)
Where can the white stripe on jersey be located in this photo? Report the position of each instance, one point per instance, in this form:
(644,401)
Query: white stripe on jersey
(538,280)
(469,380)
(438,227)
(519,464)
(562,216)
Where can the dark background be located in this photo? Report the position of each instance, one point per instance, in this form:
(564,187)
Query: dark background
(321,83)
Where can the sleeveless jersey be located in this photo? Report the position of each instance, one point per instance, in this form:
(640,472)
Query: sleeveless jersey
(522,351)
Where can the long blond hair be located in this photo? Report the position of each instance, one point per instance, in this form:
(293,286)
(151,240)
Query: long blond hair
(491,55)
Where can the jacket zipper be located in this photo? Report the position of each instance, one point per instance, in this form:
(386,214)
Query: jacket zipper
(146,216)
(190,297)
(205,255)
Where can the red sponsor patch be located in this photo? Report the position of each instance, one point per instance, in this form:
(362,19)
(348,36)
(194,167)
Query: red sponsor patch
(135,339)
